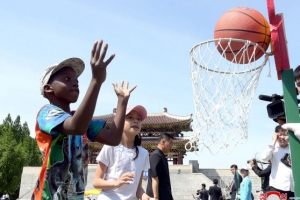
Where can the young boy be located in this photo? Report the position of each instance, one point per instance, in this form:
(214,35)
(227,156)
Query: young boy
(62,134)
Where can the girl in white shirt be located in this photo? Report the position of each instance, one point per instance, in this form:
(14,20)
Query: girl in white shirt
(120,169)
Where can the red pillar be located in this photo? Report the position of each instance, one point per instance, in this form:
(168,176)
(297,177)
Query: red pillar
(180,159)
(175,161)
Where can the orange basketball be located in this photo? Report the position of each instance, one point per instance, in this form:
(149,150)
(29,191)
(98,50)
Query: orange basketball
(242,23)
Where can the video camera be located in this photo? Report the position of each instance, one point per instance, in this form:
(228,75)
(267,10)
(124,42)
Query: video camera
(256,161)
(276,108)
(198,192)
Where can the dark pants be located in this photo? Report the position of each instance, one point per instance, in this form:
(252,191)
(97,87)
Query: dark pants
(289,193)
(266,189)
(233,194)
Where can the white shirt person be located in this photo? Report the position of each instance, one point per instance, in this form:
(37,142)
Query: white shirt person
(120,169)
(281,177)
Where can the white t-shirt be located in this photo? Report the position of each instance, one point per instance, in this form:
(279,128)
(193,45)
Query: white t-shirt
(119,160)
(281,176)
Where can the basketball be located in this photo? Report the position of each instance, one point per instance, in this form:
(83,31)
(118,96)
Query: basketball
(246,24)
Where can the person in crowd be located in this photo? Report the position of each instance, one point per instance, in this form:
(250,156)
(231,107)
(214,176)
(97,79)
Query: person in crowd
(246,185)
(120,169)
(263,173)
(278,152)
(214,191)
(159,184)
(235,184)
(203,192)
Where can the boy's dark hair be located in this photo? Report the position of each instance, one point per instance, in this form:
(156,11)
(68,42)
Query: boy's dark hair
(52,77)
(297,72)
(166,136)
(234,166)
(137,142)
(215,181)
(278,128)
(203,184)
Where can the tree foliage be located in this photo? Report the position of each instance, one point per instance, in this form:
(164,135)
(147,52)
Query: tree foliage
(17,149)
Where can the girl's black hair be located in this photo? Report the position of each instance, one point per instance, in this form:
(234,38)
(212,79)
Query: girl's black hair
(137,142)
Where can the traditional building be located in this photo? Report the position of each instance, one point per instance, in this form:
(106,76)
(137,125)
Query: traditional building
(152,127)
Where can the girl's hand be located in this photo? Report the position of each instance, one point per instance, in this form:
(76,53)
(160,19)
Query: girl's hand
(123,91)
(125,179)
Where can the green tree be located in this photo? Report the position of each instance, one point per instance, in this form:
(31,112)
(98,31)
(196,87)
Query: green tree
(12,160)
(6,125)
(17,149)
(33,154)
(17,129)
(7,122)
(25,129)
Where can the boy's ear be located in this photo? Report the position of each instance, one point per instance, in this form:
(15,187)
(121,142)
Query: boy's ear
(48,88)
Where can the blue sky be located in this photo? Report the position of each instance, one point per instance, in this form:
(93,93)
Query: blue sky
(151,39)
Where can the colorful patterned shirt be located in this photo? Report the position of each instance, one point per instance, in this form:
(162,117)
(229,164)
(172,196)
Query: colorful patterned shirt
(65,157)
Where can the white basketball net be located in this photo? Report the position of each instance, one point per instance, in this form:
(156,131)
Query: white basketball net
(223,92)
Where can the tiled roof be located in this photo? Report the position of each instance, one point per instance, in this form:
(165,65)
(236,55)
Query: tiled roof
(154,119)
(148,143)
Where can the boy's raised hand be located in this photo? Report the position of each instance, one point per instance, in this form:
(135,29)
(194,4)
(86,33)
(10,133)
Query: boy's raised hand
(97,61)
(123,91)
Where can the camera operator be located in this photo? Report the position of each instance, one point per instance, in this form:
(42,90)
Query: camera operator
(263,173)
(281,178)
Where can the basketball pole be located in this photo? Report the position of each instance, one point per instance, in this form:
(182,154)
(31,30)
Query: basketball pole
(286,74)
(292,116)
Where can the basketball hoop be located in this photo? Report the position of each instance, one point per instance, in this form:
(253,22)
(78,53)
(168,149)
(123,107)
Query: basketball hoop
(223,92)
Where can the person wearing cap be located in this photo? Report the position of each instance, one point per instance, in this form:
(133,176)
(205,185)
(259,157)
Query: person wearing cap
(246,184)
(120,169)
(159,184)
(278,151)
(62,134)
